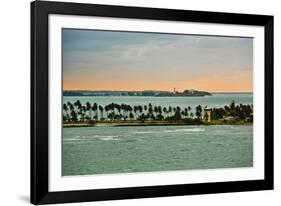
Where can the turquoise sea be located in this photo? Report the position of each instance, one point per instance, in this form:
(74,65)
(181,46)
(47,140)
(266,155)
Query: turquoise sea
(103,150)
(216,100)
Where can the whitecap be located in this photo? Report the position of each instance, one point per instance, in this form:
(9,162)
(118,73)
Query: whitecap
(71,139)
(109,138)
(145,132)
(105,136)
(185,130)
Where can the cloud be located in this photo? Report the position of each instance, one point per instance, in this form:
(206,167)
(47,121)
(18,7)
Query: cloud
(156,58)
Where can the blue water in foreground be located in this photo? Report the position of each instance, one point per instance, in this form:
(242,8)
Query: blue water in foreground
(100,150)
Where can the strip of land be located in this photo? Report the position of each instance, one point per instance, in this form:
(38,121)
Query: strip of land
(152,123)
(93,115)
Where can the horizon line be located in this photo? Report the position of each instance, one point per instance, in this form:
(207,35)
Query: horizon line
(101,90)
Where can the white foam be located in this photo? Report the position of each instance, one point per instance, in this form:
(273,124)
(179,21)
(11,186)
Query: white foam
(110,138)
(172,131)
(105,136)
(146,132)
(191,130)
(71,139)
(89,138)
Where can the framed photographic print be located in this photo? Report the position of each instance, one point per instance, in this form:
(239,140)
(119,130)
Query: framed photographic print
(131,102)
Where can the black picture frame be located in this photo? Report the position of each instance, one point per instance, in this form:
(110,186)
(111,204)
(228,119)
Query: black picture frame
(39,102)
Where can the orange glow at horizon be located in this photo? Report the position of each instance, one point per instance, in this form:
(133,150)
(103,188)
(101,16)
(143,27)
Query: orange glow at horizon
(224,82)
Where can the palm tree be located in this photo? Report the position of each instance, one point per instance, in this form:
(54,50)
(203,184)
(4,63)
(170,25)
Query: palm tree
(191,115)
(66,115)
(232,108)
(131,116)
(136,109)
(106,109)
(89,108)
(69,103)
(160,116)
(78,104)
(71,107)
(145,108)
(95,109)
(186,112)
(129,108)
(123,108)
(150,112)
(111,116)
(140,109)
(174,109)
(65,108)
(112,107)
(156,110)
(183,113)
(118,107)
(101,111)
(165,111)
(160,109)
(170,110)
(82,113)
(73,116)
(227,109)
(199,112)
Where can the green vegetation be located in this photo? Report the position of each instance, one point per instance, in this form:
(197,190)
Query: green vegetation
(76,114)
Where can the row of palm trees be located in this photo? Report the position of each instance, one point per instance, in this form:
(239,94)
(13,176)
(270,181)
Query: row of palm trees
(76,112)
(73,112)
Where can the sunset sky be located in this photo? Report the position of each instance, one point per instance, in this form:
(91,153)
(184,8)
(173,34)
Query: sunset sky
(104,60)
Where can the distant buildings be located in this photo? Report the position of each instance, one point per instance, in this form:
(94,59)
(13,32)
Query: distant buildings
(155,93)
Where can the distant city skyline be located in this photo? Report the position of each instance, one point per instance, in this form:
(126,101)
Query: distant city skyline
(135,61)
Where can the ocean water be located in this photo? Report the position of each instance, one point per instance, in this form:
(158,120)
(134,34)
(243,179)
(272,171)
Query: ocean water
(216,100)
(104,150)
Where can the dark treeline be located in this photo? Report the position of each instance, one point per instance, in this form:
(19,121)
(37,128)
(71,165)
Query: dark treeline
(76,112)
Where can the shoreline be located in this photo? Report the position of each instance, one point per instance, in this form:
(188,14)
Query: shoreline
(150,123)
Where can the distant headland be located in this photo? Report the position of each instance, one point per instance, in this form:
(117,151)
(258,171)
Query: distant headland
(155,93)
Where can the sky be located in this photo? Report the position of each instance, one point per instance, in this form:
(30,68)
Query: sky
(136,61)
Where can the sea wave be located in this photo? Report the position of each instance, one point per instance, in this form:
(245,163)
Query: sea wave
(172,131)
(186,130)
(109,138)
(102,136)
(93,137)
